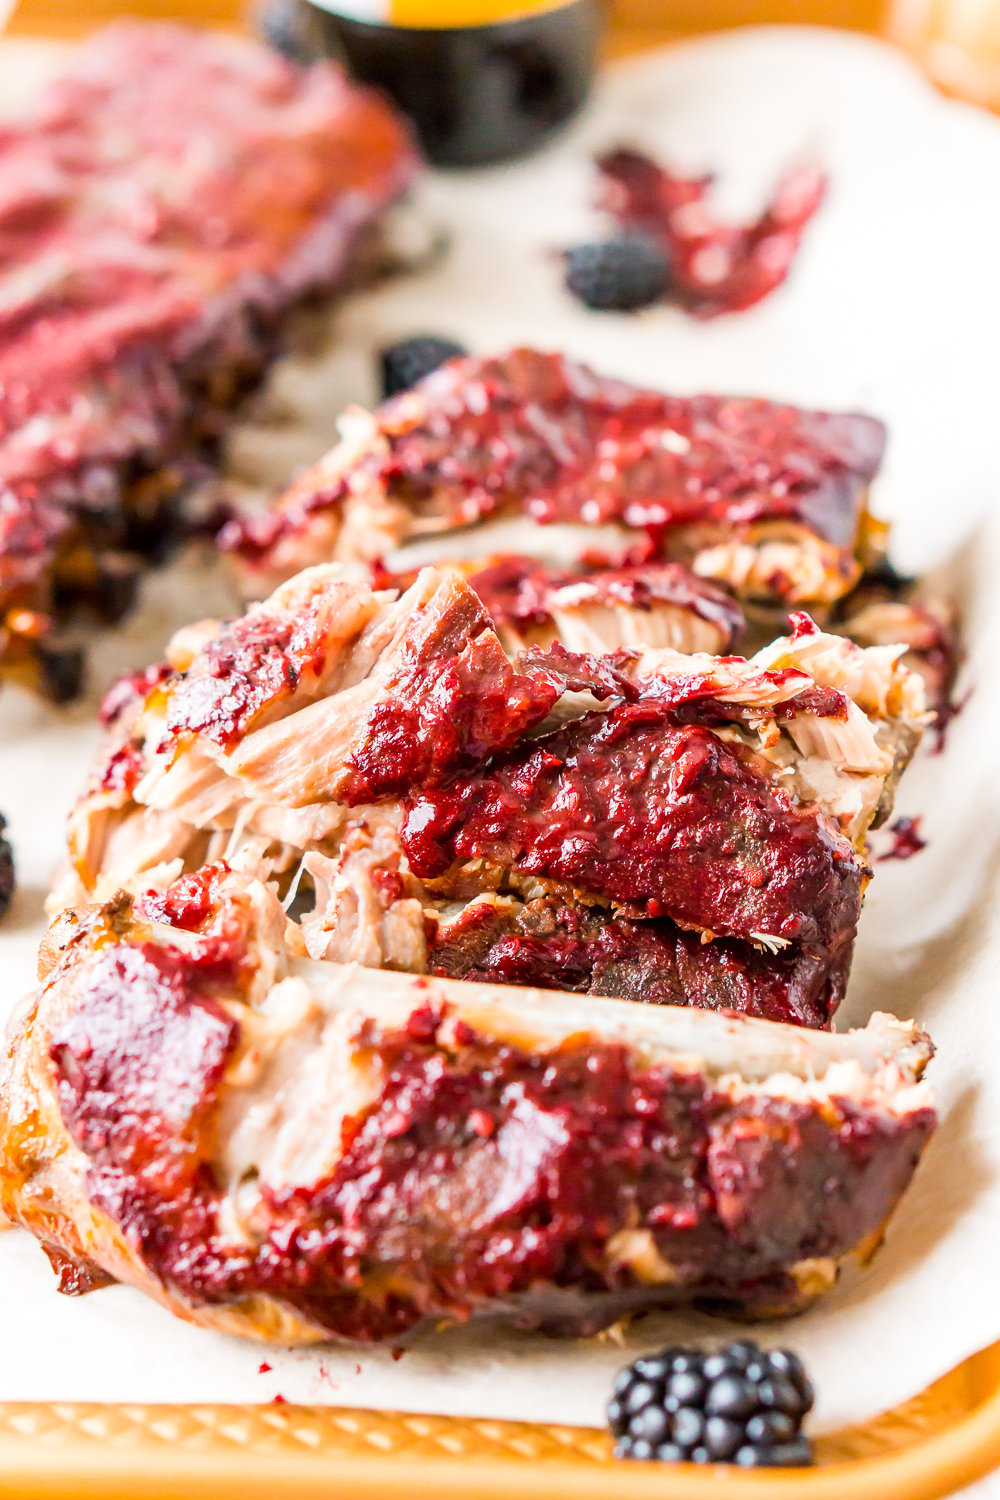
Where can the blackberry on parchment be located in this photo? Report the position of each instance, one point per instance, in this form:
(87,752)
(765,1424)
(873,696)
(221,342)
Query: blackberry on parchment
(619,275)
(408,361)
(6,871)
(736,1405)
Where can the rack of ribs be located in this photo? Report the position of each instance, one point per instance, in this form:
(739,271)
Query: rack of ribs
(533,453)
(641,823)
(296,1150)
(175,193)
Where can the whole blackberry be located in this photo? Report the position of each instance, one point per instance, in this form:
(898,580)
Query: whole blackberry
(405,363)
(619,275)
(736,1405)
(6,871)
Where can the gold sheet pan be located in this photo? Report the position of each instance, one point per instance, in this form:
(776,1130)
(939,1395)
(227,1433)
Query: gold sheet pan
(940,1441)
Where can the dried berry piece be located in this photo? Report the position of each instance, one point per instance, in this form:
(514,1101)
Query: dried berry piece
(407,362)
(735,1405)
(619,275)
(6,871)
(715,267)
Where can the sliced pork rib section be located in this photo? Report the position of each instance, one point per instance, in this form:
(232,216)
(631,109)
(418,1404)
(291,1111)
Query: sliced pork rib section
(381,758)
(294,1150)
(766,499)
(173,194)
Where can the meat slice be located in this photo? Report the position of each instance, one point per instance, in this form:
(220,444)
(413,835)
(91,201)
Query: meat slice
(595,608)
(731,796)
(766,499)
(422,688)
(174,193)
(381,758)
(294,1150)
(839,756)
(561,943)
(425,690)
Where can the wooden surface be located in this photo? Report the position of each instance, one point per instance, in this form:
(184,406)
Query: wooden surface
(635,23)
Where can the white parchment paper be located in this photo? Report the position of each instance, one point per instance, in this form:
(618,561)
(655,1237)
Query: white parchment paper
(894,307)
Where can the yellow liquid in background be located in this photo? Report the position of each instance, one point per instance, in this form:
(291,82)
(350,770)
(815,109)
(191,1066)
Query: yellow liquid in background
(460,13)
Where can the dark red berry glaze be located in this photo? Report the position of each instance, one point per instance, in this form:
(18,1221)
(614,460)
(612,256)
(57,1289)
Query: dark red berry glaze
(746,458)
(443,716)
(188,902)
(632,808)
(74,1277)
(537,434)
(516,590)
(251,665)
(138,1061)
(520,591)
(130,690)
(906,839)
(480,1173)
(121,769)
(452,699)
